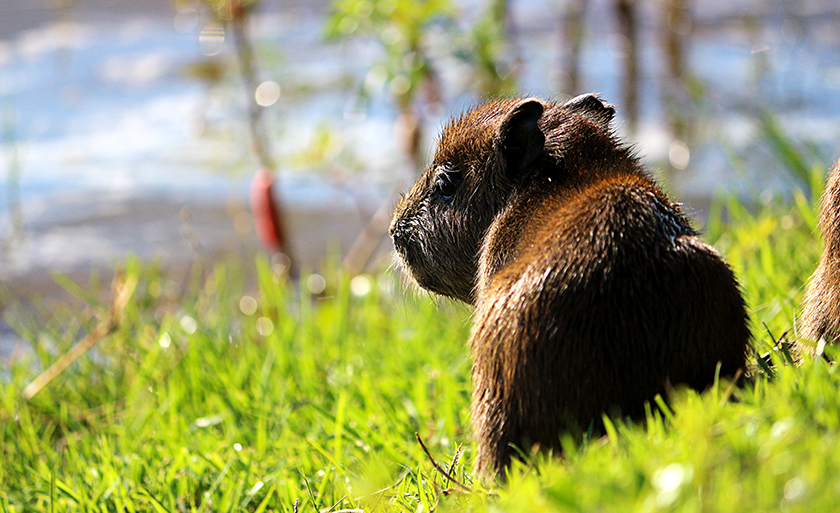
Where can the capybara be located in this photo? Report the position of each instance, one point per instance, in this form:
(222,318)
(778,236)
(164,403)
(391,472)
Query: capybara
(592,291)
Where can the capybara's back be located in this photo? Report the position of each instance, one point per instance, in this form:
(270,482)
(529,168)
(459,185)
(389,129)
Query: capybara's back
(592,291)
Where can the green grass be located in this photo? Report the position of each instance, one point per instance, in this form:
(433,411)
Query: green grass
(200,400)
(309,399)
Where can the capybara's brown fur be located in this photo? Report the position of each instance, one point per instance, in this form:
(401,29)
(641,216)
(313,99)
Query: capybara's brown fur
(821,313)
(592,291)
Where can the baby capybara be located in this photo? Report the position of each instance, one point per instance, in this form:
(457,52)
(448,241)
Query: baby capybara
(592,291)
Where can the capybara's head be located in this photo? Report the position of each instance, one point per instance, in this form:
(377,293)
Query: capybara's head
(483,157)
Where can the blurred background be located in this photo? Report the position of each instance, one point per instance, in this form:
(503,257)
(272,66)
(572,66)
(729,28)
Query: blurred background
(138,127)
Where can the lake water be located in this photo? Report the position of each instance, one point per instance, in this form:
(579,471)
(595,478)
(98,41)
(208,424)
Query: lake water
(110,148)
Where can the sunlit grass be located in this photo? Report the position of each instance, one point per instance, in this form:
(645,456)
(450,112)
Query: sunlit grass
(192,403)
(215,395)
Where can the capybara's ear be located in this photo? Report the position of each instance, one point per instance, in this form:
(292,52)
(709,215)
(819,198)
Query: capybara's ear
(593,106)
(520,140)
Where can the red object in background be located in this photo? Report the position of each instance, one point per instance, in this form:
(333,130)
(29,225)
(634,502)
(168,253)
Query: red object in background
(266,212)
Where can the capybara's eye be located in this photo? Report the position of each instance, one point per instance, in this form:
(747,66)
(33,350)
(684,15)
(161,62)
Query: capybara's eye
(447,182)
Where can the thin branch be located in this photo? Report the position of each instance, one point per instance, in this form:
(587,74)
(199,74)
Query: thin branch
(248,70)
(123,290)
(438,467)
